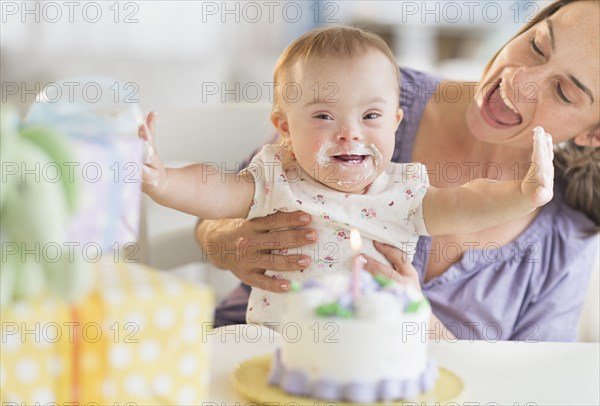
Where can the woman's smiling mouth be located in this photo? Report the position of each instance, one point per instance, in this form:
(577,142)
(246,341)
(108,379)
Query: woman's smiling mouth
(499,109)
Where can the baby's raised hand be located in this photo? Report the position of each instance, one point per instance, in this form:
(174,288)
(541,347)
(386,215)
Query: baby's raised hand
(154,174)
(538,184)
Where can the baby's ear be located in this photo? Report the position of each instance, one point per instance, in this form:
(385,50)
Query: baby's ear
(589,138)
(399,116)
(280,123)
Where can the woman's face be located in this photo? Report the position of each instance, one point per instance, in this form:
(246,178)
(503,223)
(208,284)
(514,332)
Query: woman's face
(547,76)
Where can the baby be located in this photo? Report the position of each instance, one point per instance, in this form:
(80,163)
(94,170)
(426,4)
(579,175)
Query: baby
(336,107)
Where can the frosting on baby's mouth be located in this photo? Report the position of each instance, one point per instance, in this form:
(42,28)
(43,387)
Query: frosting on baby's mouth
(355,163)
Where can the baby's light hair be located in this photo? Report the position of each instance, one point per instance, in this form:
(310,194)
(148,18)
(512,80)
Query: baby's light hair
(339,42)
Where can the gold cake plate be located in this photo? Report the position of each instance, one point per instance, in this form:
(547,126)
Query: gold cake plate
(250,380)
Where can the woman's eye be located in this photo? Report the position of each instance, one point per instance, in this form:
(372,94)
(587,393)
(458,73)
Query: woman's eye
(323,116)
(561,94)
(371,116)
(535,48)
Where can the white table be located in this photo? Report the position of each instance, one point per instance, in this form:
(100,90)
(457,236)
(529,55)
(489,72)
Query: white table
(494,373)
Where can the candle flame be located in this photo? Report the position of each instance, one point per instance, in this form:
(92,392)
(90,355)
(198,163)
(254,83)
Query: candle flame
(355,240)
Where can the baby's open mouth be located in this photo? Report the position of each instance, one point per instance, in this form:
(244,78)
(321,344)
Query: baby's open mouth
(350,158)
(350,165)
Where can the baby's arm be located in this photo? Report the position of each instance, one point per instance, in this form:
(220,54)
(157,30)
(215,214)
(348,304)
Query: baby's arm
(197,189)
(484,203)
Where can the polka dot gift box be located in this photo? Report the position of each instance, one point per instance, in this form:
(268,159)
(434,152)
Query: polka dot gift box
(138,338)
(35,352)
(145,339)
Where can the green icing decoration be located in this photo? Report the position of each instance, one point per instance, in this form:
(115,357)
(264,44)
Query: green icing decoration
(327,309)
(343,312)
(295,286)
(333,309)
(414,307)
(382,280)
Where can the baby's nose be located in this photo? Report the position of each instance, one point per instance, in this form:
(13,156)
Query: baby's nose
(346,133)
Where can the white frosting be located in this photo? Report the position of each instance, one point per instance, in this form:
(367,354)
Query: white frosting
(349,176)
(302,304)
(379,306)
(336,285)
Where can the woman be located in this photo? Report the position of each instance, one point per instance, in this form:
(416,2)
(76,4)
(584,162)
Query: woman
(524,280)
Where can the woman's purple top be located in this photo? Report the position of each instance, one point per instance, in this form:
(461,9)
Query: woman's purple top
(530,289)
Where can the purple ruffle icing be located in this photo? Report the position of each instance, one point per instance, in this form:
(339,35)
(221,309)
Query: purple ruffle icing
(387,390)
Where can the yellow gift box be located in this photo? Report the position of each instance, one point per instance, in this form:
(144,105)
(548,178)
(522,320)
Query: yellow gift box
(143,338)
(36,353)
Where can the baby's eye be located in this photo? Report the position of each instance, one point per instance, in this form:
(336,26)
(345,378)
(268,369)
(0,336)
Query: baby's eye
(323,116)
(371,116)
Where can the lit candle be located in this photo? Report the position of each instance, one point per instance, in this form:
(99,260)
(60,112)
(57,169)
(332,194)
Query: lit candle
(356,244)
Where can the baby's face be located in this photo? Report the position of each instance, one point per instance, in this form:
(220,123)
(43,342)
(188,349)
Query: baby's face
(341,117)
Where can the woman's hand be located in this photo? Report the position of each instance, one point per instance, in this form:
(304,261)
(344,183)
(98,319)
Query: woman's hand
(539,180)
(154,174)
(402,271)
(245,246)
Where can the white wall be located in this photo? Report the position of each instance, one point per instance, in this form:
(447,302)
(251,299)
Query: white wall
(171,48)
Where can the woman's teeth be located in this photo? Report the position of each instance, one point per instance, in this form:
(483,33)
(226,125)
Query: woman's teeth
(500,109)
(506,100)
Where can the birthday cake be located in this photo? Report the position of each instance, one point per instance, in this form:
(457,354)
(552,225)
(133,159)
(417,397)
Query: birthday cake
(360,345)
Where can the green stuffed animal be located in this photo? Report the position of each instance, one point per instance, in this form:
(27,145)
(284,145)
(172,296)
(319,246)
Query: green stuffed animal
(35,208)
